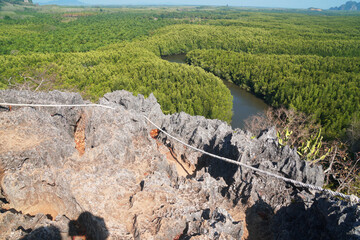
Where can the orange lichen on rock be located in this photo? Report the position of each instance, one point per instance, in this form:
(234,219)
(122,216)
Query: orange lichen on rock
(78,237)
(80,134)
(178,237)
(154,133)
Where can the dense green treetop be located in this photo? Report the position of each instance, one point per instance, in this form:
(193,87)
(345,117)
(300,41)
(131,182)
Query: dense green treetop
(73,32)
(328,87)
(308,61)
(275,33)
(177,87)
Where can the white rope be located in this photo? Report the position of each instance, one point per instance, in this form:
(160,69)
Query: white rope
(55,105)
(352,198)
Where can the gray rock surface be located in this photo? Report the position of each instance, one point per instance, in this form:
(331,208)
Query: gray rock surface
(97,172)
(340,220)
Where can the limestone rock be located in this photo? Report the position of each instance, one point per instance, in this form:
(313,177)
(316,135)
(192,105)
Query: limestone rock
(325,219)
(97,172)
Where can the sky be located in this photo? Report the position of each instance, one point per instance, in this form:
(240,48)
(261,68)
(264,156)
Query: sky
(324,4)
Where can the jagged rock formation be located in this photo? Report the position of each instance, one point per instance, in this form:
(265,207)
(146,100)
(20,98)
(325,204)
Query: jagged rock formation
(98,172)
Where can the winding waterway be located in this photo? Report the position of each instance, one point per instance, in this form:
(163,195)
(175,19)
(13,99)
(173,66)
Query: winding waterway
(245,104)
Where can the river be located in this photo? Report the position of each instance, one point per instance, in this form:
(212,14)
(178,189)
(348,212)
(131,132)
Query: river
(245,104)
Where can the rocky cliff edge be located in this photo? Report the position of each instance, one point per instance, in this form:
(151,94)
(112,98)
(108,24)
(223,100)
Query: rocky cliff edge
(97,172)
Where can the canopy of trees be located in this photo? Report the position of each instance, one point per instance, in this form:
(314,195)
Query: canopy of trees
(303,60)
(177,87)
(327,87)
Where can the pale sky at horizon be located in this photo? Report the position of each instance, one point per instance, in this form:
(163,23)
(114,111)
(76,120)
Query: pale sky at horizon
(325,4)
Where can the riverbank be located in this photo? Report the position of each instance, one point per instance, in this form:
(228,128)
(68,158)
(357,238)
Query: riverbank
(245,104)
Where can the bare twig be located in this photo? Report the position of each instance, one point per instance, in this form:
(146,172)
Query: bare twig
(349,173)
(332,161)
(42,80)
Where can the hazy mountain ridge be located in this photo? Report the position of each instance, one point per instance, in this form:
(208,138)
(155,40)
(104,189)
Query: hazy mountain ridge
(348,6)
(16,1)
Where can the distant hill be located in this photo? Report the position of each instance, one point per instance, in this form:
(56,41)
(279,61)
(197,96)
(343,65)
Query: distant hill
(348,6)
(63,3)
(15,1)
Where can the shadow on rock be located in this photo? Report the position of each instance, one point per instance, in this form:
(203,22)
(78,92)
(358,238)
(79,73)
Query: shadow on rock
(90,226)
(87,226)
(324,219)
(216,167)
(44,233)
(258,219)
